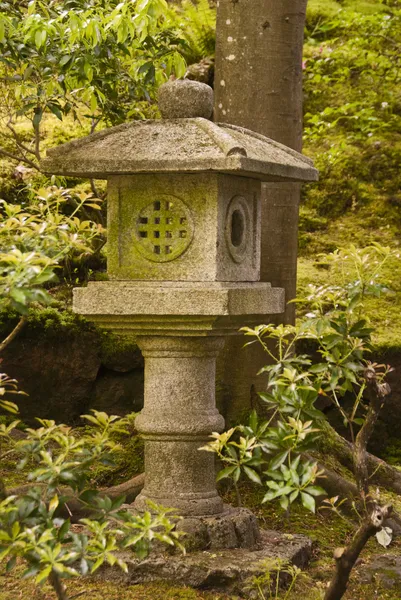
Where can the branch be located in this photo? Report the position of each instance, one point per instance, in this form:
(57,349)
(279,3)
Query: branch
(37,142)
(375,515)
(130,489)
(347,557)
(19,158)
(18,141)
(377,394)
(58,586)
(380,472)
(17,329)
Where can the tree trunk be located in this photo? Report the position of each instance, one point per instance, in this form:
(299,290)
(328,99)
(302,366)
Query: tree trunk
(380,473)
(347,557)
(258,85)
(375,515)
(58,586)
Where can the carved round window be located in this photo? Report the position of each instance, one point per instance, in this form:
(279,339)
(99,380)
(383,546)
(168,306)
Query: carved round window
(237,228)
(164,229)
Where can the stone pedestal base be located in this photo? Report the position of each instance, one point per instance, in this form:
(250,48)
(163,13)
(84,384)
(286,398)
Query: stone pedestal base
(224,571)
(233,528)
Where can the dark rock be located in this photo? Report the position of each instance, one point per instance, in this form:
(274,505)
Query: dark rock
(184,99)
(64,374)
(222,533)
(196,534)
(385,570)
(57,373)
(202,71)
(118,393)
(246,528)
(234,528)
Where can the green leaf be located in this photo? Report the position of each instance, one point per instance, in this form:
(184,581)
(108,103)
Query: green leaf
(44,574)
(180,65)
(18,295)
(55,110)
(284,502)
(88,70)
(253,475)
(64,60)
(253,421)
(268,497)
(227,472)
(64,529)
(308,502)
(40,37)
(37,117)
(278,460)
(315,490)
(93,103)
(237,474)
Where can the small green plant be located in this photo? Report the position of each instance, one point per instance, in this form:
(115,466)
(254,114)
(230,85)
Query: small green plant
(8,386)
(274,451)
(267,585)
(39,240)
(36,524)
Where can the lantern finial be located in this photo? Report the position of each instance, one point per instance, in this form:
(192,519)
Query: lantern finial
(185,99)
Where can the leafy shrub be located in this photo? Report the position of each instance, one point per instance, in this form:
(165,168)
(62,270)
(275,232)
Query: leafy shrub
(35,524)
(274,451)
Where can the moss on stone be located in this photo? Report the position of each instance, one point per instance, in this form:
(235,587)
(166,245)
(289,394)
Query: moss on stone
(112,344)
(129,462)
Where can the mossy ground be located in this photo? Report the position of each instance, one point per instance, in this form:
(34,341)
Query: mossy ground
(353,132)
(328,531)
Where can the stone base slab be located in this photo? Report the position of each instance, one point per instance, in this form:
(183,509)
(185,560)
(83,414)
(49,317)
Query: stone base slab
(234,528)
(225,571)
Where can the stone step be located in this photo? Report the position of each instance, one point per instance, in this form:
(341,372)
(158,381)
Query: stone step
(226,571)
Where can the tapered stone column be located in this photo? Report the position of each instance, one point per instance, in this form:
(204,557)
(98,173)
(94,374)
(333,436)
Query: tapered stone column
(178,417)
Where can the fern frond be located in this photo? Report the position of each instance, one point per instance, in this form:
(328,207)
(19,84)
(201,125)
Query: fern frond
(196,22)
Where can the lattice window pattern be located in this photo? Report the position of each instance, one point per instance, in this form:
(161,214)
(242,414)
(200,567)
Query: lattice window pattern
(164,229)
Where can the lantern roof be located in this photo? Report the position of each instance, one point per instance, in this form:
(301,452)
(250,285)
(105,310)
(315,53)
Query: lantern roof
(190,144)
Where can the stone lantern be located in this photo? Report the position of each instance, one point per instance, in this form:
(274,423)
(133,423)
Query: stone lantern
(184,216)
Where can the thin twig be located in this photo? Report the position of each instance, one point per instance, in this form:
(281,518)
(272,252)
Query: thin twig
(19,158)
(94,189)
(58,586)
(36,128)
(18,141)
(17,329)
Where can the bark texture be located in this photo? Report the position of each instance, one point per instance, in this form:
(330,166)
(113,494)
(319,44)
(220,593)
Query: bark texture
(380,472)
(375,515)
(258,85)
(76,510)
(346,558)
